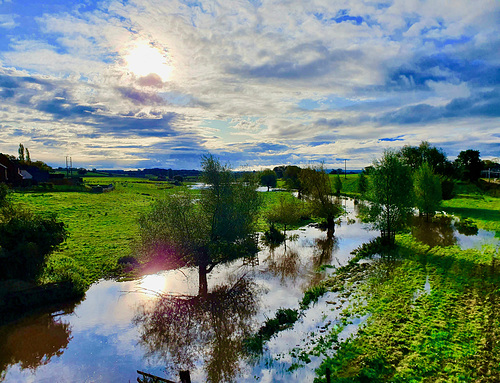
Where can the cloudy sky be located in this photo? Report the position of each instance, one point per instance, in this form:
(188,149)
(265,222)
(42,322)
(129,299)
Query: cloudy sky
(158,83)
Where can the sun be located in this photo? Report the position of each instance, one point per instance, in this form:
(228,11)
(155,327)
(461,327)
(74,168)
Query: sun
(144,59)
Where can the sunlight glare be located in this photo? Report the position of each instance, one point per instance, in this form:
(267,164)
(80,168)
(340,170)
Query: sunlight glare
(154,283)
(144,59)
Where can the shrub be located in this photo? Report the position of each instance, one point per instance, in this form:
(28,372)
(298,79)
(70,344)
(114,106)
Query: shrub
(26,241)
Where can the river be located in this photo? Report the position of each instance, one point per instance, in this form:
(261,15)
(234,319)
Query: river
(122,327)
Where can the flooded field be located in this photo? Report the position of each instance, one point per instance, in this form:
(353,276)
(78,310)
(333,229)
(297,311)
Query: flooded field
(121,327)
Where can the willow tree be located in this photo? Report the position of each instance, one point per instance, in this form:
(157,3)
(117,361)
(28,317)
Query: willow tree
(206,230)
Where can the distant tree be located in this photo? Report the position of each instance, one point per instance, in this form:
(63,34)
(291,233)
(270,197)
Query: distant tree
(28,157)
(428,194)
(318,190)
(362,186)
(178,179)
(337,184)
(216,229)
(268,178)
(391,194)
(469,165)
(292,178)
(21,152)
(279,170)
(415,156)
(82,171)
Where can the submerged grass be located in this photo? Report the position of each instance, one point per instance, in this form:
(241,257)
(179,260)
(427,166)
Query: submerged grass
(448,330)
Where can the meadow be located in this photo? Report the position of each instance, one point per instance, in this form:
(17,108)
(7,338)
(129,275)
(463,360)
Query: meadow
(102,226)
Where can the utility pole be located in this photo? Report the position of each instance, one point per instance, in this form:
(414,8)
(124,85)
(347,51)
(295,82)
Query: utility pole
(345,168)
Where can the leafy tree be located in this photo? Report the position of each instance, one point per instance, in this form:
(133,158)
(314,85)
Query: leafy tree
(21,152)
(318,190)
(337,184)
(428,192)
(362,186)
(268,178)
(415,156)
(286,212)
(292,178)
(216,229)
(469,165)
(391,194)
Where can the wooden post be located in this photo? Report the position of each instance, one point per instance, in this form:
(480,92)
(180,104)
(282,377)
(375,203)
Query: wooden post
(184,375)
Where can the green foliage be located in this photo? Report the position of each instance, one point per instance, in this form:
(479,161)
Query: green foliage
(273,236)
(362,186)
(427,187)
(415,156)
(337,184)
(26,240)
(284,318)
(312,295)
(317,188)
(469,165)
(447,188)
(391,193)
(268,178)
(217,229)
(292,178)
(287,212)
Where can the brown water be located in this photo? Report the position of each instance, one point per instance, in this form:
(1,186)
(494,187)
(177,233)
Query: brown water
(122,327)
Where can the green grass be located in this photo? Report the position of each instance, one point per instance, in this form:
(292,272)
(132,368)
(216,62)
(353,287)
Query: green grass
(101,227)
(349,184)
(447,334)
(474,203)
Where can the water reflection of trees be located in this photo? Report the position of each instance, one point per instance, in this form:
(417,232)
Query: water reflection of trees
(184,330)
(438,232)
(33,342)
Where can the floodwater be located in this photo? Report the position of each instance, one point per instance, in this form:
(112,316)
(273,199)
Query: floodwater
(122,327)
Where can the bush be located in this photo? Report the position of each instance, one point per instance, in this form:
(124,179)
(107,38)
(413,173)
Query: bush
(26,240)
(273,236)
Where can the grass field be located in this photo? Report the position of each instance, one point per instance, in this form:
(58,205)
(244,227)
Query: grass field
(101,227)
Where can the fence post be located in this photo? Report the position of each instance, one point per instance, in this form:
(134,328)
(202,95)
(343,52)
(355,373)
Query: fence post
(185,378)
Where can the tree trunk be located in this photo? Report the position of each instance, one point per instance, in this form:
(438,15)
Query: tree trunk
(330,224)
(203,284)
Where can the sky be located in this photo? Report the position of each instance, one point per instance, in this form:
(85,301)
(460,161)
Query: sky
(128,84)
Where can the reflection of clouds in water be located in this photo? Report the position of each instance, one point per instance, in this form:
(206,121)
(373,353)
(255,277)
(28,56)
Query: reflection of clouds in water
(104,345)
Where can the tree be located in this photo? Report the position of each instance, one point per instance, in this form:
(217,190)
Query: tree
(391,194)
(469,165)
(362,186)
(286,212)
(21,152)
(268,178)
(292,179)
(415,156)
(427,186)
(217,228)
(337,184)
(317,188)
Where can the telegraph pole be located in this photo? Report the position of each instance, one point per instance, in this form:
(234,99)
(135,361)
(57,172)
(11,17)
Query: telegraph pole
(345,168)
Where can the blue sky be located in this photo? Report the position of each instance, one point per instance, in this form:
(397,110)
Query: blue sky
(136,84)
